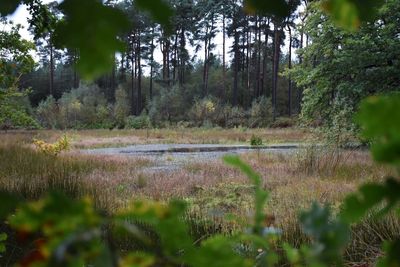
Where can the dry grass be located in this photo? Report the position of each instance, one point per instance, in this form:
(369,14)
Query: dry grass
(213,189)
(116,138)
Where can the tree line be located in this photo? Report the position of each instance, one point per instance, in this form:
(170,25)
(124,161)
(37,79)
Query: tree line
(188,56)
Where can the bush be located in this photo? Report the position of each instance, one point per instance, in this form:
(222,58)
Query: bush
(47,113)
(121,107)
(167,107)
(204,111)
(14,114)
(256,141)
(236,117)
(84,107)
(261,112)
(138,122)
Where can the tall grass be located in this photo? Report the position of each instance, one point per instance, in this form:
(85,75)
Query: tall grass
(31,174)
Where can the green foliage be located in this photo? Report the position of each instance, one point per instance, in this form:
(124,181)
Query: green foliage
(260,195)
(47,113)
(167,106)
(159,10)
(84,107)
(204,110)
(3,238)
(350,13)
(256,141)
(121,107)
(138,122)
(341,68)
(380,118)
(330,237)
(261,112)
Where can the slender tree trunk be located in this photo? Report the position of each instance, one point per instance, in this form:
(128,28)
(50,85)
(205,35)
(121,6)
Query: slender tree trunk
(223,57)
(132,75)
(151,64)
(236,69)
(51,73)
(248,50)
(175,55)
(264,64)
(76,77)
(182,60)
(290,67)
(139,78)
(113,81)
(275,69)
(205,62)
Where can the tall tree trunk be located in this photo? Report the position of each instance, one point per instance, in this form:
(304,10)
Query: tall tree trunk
(151,64)
(76,77)
(113,81)
(205,62)
(182,60)
(236,69)
(223,57)
(248,50)
(139,77)
(264,64)
(51,72)
(289,78)
(175,58)
(275,69)
(132,76)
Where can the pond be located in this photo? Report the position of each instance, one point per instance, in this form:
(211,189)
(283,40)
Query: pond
(173,156)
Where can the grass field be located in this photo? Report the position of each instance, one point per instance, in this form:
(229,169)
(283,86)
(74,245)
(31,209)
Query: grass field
(212,189)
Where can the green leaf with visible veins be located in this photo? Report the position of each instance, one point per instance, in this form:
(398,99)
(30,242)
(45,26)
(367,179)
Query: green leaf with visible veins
(92,28)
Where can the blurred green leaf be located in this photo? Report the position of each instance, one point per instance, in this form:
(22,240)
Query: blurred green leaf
(166,220)
(8,6)
(357,205)
(379,118)
(160,11)
(9,202)
(217,251)
(349,14)
(391,257)
(93,29)
(330,237)
(260,194)
(278,8)
(3,237)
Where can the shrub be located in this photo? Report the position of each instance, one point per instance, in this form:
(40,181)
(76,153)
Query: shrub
(48,113)
(256,141)
(261,112)
(204,111)
(62,144)
(167,107)
(236,117)
(13,115)
(138,122)
(121,107)
(84,107)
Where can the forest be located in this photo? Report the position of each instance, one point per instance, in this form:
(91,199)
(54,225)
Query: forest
(199,133)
